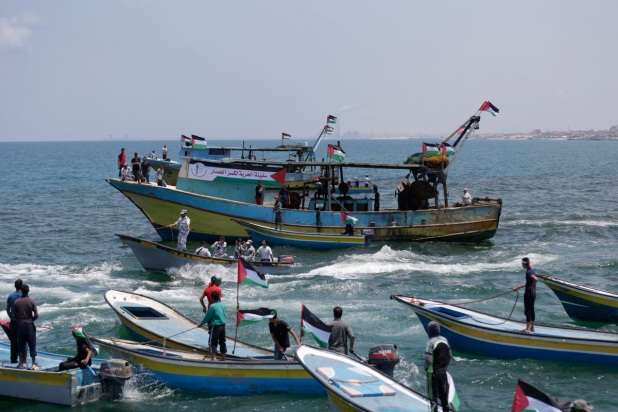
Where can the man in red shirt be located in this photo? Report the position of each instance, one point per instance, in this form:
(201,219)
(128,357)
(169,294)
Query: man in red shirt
(122,159)
(214,284)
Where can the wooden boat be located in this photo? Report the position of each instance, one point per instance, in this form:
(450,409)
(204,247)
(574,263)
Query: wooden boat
(151,320)
(583,302)
(213,204)
(157,257)
(197,373)
(302,239)
(483,334)
(355,386)
(69,388)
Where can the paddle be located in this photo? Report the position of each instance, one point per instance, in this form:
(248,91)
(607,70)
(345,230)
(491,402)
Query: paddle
(92,371)
(359,357)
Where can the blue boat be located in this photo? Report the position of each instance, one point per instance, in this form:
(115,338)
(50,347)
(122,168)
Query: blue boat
(353,386)
(70,388)
(302,239)
(195,372)
(486,335)
(583,302)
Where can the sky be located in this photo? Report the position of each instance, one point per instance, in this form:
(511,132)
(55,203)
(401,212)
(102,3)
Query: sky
(140,69)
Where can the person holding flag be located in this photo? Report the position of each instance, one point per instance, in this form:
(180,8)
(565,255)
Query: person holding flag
(340,333)
(279,330)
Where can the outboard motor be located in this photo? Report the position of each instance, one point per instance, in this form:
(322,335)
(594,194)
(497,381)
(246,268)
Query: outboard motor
(384,357)
(113,374)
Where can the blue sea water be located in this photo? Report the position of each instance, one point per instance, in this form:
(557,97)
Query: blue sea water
(59,217)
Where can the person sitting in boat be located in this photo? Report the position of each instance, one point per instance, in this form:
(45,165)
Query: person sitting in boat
(238,247)
(220,248)
(356,182)
(203,250)
(265,252)
(125,173)
(248,251)
(153,155)
(84,352)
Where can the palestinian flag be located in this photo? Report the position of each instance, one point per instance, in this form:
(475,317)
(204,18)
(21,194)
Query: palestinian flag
(528,399)
(328,129)
(488,107)
(186,141)
(311,324)
(247,275)
(345,219)
(285,136)
(246,317)
(430,149)
(331,119)
(6,326)
(335,152)
(198,142)
(447,149)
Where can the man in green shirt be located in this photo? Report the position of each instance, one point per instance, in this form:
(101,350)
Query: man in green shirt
(216,317)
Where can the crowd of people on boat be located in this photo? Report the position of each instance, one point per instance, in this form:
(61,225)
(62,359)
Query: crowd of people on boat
(139,171)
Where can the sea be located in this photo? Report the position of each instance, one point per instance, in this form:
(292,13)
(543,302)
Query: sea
(59,218)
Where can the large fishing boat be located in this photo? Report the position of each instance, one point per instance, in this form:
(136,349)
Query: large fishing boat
(215,194)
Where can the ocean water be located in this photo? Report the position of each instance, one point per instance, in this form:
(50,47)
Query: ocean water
(59,217)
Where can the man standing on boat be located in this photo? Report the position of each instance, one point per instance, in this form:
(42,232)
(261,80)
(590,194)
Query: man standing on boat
(279,330)
(25,314)
(159,175)
(466,198)
(184,227)
(437,358)
(340,333)
(135,166)
(265,252)
(259,192)
(277,210)
(215,317)
(122,159)
(164,152)
(529,294)
(10,303)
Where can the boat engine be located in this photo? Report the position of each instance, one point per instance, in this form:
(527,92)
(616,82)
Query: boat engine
(113,374)
(384,357)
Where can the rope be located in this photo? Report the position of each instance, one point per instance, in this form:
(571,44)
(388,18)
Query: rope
(491,297)
(171,336)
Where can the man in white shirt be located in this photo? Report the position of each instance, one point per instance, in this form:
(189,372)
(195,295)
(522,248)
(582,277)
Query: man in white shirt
(220,248)
(466,198)
(265,252)
(202,250)
(184,227)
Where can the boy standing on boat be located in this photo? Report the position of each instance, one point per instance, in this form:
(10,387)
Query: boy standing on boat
(279,330)
(216,317)
(529,294)
(184,227)
(437,358)
(122,159)
(340,333)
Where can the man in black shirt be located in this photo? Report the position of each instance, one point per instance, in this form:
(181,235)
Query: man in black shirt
(437,358)
(279,330)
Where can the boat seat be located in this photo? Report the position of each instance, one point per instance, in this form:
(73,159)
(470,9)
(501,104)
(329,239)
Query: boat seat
(347,379)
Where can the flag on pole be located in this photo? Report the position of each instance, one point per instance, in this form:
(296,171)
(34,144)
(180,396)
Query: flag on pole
(285,136)
(247,275)
(430,149)
(488,107)
(186,141)
(528,398)
(311,324)
(198,142)
(328,129)
(250,316)
(335,152)
(447,149)
(331,119)
(347,219)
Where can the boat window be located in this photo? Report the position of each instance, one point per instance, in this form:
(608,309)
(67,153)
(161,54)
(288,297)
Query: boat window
(143,312)
(449,312)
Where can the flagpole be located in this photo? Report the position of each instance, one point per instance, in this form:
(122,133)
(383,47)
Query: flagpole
(237,307)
